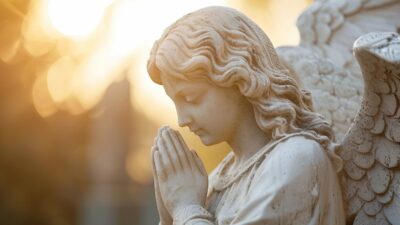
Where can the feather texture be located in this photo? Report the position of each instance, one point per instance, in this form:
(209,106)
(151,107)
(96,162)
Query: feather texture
(372,141)
(364,116)
(328,30)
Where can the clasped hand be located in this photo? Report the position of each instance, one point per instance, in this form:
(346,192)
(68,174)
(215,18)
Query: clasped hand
(180,177)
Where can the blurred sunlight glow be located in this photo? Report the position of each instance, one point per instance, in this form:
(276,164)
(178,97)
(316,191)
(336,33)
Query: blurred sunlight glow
(76,17)
(80,112)
(103,41)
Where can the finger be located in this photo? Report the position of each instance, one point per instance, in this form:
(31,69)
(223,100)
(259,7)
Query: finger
(186,149)
(153,165)
(157,191)
(191,160)
(171,149)
(199,163)
(153,162)
(179,148)
(163,152)
(156,186)
(160,170)
(158,134)
(155,179)
(183,143)
(153,149)
(155,176)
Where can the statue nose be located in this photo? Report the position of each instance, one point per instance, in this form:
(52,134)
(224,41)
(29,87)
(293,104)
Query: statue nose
(184,119)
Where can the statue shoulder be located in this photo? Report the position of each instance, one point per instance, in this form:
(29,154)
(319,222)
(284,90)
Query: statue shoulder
(297,165)
(298,148)
(297,157)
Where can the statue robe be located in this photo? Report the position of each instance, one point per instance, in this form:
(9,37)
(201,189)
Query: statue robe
(290,181)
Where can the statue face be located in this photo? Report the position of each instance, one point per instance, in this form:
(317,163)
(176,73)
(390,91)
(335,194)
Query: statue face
(212,113)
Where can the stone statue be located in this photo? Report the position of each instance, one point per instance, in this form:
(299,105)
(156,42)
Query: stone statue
(229,85)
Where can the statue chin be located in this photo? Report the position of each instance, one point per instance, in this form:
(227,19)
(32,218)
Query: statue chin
(207,140)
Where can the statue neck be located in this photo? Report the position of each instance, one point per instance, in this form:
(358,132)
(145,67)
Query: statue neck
(247,140)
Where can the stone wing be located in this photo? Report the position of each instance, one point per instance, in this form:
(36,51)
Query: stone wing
(324,60)
(371,148)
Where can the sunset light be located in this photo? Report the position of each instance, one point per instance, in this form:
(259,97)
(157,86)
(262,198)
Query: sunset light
(76,18)
(112,41)
(101,42)
(80,113)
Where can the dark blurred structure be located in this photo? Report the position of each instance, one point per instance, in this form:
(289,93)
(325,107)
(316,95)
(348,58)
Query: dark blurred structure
(42,171)
(112,198)
(63,169)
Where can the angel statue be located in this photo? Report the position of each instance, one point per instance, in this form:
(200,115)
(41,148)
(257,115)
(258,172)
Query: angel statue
(230,85)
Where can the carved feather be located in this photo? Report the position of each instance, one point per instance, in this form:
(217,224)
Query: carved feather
(328,29)
(374,138)
(325,64)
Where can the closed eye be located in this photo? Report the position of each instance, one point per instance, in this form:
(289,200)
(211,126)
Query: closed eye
(190,96)
(193,98)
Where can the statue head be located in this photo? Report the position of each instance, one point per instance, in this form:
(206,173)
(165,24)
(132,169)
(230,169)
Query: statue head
(224,48)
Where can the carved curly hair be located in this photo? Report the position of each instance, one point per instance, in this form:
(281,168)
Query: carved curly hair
(226,48)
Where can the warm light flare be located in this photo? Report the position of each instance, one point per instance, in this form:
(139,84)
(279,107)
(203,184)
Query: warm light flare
(155,103)
(141,22)
(59,79)
(37,33)
(76,18)
(130,28)
(41,98)
(126,31)
(92,58)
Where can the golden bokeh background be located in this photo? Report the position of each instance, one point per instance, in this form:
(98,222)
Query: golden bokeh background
(79,112)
